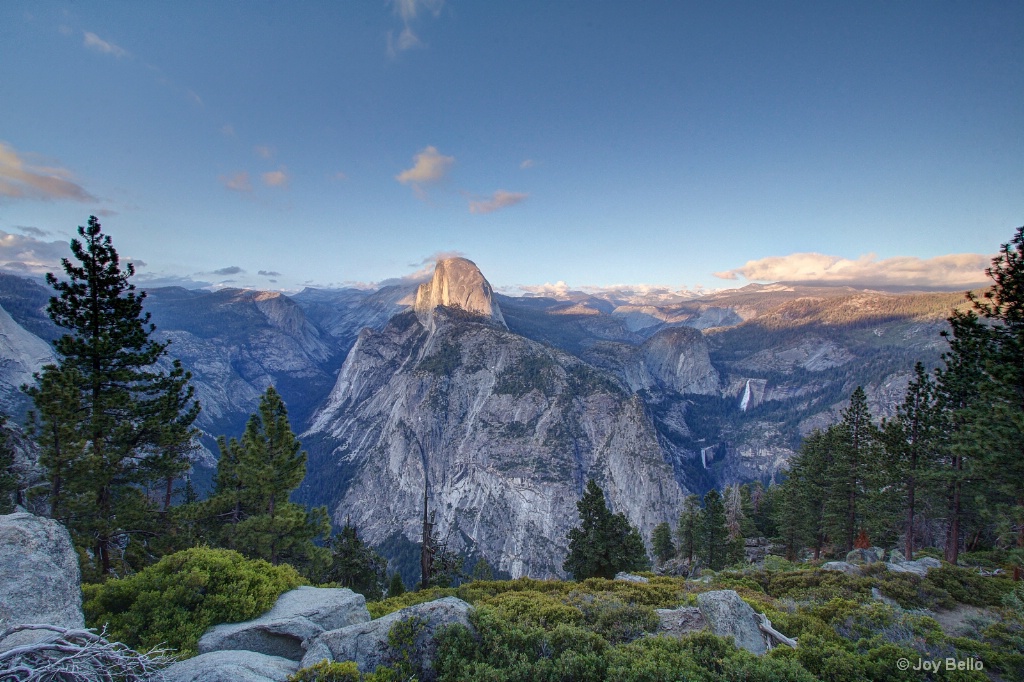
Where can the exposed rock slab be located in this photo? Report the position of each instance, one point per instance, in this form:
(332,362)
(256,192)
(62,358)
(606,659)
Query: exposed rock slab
(918,567)
(367,643)
(230,666)
(862,556)
(843,567)
(681,621)
(729,616)
(39,577)
(631,578)
(298,615)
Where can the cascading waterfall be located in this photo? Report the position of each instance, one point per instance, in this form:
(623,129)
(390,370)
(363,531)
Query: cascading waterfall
(745,400)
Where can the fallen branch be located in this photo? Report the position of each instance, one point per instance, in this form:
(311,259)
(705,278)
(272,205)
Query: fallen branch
(76,655)
(766,627)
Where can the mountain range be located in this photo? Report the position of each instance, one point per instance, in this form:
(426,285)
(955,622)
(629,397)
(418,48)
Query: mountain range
(501,407)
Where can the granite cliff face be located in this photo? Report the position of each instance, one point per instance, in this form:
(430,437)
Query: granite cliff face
(21,355)
(457,283)
(502,430)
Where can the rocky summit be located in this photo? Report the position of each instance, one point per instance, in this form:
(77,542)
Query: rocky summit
(457,283)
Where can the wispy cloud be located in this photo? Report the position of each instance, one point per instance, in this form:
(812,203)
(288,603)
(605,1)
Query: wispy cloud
(263,151)
(499,199)
(94,42)
(239,182)
(269,273)
(429,167)
(34,231)
(527,163)
(278,178)
(22,180)
(230,270)
(26,254)
(956,270)
(408,11)
(227,130)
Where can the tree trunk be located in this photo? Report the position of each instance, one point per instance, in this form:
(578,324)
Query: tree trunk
(953,532)
(910,514)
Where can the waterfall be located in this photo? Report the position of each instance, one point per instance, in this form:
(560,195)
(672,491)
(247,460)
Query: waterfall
(745,400)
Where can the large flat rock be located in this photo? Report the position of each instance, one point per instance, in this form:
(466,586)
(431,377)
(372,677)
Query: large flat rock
(40,581)
(367,643)
(230,666)
(729,616)
(298,615)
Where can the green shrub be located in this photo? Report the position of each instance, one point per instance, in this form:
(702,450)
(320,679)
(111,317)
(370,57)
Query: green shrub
(392,604)
(534,608)
(911,591)
(967,586)
(327,671)
(614,619)
(175,600)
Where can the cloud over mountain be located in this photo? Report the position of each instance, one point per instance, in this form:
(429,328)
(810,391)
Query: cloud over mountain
(957,270)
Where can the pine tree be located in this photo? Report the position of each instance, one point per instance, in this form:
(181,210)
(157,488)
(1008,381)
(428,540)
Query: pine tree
(8,479)
(105,415)
(355,565)
(959,396)
(713,535)
(853,477)
(249,510)
(799,503)
(661,542)
(604,543)
(396,587)
(912,440)
(998,449)
(687,532)
(482,570)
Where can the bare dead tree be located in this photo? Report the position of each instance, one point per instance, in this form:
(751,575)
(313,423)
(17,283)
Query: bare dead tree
(77,655)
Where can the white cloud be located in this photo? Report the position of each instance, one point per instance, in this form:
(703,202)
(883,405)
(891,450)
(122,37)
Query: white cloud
(21,180)
(24,253)
(239,182)
(94,42)
(278,178)
(429,167)
(407,11)
(263,151)
(527,163)
(499,199)
(953,270)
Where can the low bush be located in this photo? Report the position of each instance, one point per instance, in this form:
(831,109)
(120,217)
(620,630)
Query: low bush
(967,586)
(176,599)
(327,671)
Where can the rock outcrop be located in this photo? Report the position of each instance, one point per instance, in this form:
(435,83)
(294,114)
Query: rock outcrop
(678,358)
(680,621)
(367,643)
(919,567)
(39,576)
(457,283)
(297,616)
(21,354)
(729,616)
(230,666)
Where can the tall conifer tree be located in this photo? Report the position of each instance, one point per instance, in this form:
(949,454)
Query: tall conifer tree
(106,415)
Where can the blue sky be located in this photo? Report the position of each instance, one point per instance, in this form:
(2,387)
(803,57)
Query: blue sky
(277,145)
